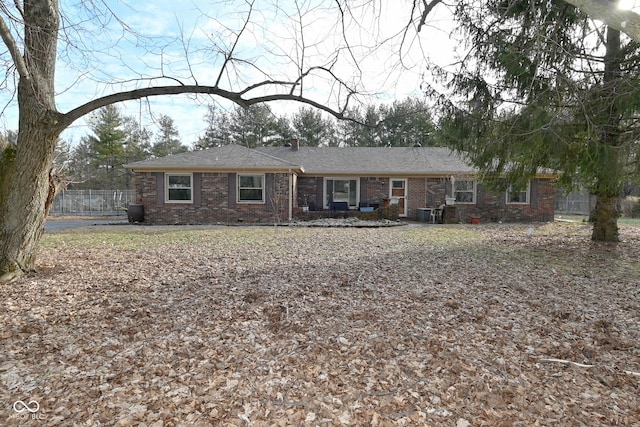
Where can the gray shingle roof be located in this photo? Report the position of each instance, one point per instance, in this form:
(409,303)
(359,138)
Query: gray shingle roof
(224,158)
(371,161)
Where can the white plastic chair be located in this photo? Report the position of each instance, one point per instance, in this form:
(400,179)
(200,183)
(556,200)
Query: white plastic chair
(436,214)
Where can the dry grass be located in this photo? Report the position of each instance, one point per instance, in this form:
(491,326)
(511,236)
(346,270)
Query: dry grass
(275,326)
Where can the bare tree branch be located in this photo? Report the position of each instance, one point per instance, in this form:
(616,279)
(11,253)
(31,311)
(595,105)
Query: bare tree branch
(236,97)
(607,11)
(229,55)
(344,36)
(428,7)
(14,50)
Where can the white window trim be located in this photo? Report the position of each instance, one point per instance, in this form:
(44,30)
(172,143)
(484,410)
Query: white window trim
(528,198)
(405,190)
(264,190)
(341,178)
(474,196)
(166,187)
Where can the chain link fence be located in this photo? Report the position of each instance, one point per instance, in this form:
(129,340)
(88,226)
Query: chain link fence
(92,202)
(574,203)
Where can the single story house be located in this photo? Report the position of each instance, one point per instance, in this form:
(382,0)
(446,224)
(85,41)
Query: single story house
(233,183)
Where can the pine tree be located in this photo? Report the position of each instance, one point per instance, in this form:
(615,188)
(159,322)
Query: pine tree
(99,157)
(545,86)
(311,128)
(167,141)
(252,127)
(217,132)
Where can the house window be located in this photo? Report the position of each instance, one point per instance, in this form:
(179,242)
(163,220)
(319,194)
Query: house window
(251,188)
(397,184)
(341,190)
(179,188)
(465,191)
(517,196)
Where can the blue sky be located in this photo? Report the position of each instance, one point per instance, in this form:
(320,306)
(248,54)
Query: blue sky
(107,57)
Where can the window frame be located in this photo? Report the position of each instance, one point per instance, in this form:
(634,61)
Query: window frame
(473,191)
(239,188)
(526,191)
(168,188)
(352,194)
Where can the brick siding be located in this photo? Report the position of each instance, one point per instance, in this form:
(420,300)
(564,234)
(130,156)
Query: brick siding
(216,207)
(491,206)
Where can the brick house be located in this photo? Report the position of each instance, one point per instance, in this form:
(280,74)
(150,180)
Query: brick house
(232,183)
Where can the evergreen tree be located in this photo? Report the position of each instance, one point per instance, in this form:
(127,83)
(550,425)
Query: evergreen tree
(217,132)
(283,132)
(311,128)
(137,140)
(406,123)
(402,124)
(99,158)
(347,131)
(369,135)
(137,146)
(254,126)
(167,140)
(545,86)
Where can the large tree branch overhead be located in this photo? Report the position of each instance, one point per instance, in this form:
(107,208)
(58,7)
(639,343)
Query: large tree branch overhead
(236,97)
(608,12)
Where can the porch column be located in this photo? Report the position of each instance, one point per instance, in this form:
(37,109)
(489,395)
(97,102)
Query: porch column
(290,195)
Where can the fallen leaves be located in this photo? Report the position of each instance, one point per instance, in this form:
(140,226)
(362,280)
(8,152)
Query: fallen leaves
(454,325)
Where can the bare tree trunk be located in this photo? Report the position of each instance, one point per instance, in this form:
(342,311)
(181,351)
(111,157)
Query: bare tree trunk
(27,181)
(26,184)
(605,219)
(23,212)
(25,169)
(605,215)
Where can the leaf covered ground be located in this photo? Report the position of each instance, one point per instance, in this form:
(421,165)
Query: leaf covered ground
(261,326)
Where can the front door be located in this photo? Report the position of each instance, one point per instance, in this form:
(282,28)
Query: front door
(398,194)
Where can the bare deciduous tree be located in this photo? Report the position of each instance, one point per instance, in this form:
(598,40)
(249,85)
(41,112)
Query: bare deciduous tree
(34,31)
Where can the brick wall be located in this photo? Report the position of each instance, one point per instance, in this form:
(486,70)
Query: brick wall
(436,192)
(491,206)
(377,189)
(417,196)
(432,192)
(216,206)
(307,189)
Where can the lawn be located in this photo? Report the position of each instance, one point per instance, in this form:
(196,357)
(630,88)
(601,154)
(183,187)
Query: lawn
(437,325)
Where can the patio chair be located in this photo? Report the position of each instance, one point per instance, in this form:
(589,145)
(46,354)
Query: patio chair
(437,214)
(339,206)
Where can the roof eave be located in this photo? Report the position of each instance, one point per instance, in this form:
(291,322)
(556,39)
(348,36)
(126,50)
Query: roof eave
(183,169)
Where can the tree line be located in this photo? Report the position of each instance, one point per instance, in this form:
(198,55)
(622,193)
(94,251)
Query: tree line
(97,161)
(402,123)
